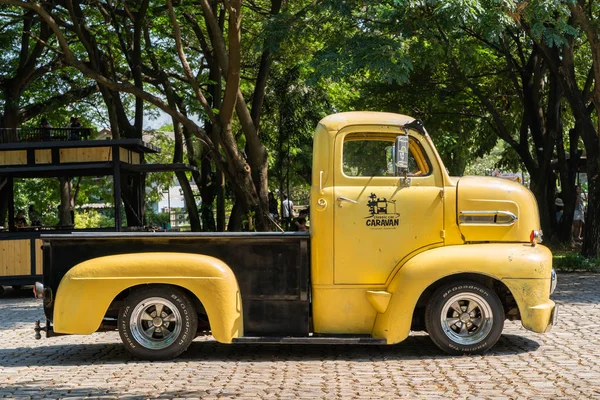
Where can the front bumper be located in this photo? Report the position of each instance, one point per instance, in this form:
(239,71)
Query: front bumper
(540,318)
(537,312)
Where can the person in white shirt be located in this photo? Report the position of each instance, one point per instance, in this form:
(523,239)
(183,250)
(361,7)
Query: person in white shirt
(288,211)
(578,217)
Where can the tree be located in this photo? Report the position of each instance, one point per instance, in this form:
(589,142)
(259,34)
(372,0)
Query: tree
(560,32)
(34,80)
(244,162)
(468,69)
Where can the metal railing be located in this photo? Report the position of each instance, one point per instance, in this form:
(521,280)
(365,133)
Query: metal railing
(19,135)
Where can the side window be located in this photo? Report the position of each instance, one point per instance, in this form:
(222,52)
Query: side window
(374,157)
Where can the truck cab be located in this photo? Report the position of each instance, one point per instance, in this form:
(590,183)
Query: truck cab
(395,245)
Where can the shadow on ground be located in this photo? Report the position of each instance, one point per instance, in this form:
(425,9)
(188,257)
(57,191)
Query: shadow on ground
(415,347)
(35,390)
(10,293)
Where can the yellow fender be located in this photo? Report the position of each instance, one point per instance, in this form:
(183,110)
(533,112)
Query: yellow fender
(529,269)
(87,290)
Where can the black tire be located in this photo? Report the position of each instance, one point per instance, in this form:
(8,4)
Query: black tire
(464,318)
(157,322)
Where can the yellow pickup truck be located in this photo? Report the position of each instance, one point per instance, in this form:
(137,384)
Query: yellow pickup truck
(395,245)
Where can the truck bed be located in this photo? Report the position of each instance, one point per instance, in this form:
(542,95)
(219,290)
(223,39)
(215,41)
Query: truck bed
(272,269)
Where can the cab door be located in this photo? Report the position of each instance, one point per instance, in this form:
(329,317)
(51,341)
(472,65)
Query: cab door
(380,218)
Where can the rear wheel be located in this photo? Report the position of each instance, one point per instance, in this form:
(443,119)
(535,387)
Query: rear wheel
(464,318)
(157,323)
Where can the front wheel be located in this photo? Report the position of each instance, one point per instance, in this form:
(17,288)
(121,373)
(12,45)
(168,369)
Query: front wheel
(464,318)
(157,323)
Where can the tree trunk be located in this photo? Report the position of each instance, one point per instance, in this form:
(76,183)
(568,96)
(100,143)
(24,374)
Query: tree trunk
(220,176)
(190,201)
(64,210)
(591,240)
(567,174)
(236,218)
(208,191)
(133,199)
(539,187)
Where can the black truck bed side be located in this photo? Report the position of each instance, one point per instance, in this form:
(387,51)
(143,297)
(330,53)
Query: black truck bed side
(272,269)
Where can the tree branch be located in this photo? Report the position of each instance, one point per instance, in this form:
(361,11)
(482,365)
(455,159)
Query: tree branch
(55,102)
(186,66)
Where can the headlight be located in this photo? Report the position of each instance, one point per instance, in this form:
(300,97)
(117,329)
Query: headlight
(553,281)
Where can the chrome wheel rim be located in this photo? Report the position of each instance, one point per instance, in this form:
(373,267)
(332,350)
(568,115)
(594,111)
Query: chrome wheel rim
(155,323)
(467,318)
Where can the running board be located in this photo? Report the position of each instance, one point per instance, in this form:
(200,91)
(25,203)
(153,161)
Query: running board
(309,340)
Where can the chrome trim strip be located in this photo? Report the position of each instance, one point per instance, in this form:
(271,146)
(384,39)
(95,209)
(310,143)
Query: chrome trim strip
(463,215)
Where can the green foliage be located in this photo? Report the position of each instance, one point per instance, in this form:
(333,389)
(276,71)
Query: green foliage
(160,219)
(361,44)
(549,21)
(92,219)
(572,262)
(42,193)
(93,189)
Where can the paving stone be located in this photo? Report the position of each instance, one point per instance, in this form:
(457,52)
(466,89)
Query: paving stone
(563,364)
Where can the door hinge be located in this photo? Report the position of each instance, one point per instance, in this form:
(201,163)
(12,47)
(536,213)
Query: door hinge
(443,234)
(442,193)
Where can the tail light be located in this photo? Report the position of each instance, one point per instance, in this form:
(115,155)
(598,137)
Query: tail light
(38,290)
(536,237)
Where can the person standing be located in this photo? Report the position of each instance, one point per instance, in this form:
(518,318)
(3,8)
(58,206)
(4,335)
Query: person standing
(273,213)
(578,216)
(45,130)
(20,220)
(74,126)
(287,211)
(559,209)
(299,224)
(34,216)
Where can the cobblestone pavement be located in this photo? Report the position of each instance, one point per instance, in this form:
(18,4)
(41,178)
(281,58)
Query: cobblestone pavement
(562,364)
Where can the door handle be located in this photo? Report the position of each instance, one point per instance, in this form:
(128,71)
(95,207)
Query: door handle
(321,182)
(347,199)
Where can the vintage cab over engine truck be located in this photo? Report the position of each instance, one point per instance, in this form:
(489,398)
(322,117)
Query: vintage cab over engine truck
(395,245)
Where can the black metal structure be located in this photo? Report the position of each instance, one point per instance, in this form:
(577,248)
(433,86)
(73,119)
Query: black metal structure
(18,135)
(123,159)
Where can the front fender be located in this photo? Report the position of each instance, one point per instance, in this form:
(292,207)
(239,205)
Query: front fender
(515,264)
(87,290)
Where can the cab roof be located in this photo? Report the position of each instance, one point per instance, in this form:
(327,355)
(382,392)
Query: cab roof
(336,122)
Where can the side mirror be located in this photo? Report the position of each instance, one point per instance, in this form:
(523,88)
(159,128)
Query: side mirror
(401,154)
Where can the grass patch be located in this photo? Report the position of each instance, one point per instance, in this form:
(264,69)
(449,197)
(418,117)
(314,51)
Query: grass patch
(570,261)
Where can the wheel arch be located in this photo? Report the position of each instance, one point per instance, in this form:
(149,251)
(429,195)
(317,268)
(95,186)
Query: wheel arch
(94,288)
(492,283)
(117,302)
(488,262)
